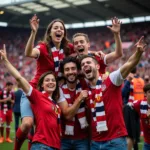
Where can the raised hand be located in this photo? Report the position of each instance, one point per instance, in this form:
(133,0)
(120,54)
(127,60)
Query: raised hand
(116,25)
(83,95)
(141,45)
(3,55)
(34,23)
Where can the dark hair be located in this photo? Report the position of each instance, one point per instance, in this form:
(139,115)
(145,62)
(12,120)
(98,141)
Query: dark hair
(146,88)
(81,34)
(88,56)
(56,94)
(48,40)
(133,70)
(68,60)
(9,83)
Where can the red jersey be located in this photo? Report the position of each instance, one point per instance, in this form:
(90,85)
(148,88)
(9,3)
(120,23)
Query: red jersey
(45,62)
(78,132)
(145,121)
(4,95)
(112,98)
(45,113)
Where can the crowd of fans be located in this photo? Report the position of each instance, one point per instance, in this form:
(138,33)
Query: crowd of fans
(100,38)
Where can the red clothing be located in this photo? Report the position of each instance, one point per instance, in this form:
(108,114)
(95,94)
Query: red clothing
(102,65)
(78,132)
(45,112)
(45,62)
(144,121)
(113,108)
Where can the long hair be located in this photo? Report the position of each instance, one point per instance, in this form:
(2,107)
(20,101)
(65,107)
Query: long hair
(48,40)
(56,94)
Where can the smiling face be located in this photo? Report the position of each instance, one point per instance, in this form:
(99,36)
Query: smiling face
(70,72)
(49,83)
(81,45)
(57,32)
(89,68)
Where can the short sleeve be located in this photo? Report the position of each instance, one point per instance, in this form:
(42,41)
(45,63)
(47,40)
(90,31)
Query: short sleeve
(61,98)
(116,77)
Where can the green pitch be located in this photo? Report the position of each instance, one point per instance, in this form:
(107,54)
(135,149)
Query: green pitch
(9,146)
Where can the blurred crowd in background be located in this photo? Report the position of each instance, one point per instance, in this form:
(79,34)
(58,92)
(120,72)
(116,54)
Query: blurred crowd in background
(101,39)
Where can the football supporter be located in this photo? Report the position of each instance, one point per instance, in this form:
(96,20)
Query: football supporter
(6,102)
(48,54)
(105,101)
(74,122)
(43,103)
(81,45)
(143,109)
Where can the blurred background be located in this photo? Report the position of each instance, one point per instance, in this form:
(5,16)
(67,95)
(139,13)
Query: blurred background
(89,16)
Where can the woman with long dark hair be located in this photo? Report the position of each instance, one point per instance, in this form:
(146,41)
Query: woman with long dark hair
(43,102)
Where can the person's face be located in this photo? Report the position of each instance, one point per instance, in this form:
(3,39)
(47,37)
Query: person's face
(57,32)
(81,46)
(70,72)
(49,83)
(9,88)
(89,68)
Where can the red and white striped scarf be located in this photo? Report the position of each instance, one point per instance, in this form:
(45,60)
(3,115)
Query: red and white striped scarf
(69,128)
(97,106)
(5,106)
(58,55)
(131,96)
(143,108)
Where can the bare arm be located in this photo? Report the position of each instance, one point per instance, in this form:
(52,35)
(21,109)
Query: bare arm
(23,83)
(134,59)
(29,51)
(70,111)
(116,25)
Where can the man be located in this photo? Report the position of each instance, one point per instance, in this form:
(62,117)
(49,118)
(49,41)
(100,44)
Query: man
(81,45)
(6,101)
(143,109)
(74,122)
(108,127)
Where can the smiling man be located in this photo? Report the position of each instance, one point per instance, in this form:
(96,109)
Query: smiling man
(107,122)
(74,123)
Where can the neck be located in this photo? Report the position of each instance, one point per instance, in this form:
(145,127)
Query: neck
(57,45)
(71,86)
(94,81)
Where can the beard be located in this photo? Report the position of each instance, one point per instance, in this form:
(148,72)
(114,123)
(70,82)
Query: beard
(71,81)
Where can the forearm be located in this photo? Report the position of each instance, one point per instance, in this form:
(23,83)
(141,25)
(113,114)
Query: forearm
(111,57)
(14,72)
(3,100)
(118,42)
(130,64)
(30,43)
(72,110)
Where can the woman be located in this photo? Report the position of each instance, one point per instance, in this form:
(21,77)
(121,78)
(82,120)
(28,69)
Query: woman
(46,111)
(48,54)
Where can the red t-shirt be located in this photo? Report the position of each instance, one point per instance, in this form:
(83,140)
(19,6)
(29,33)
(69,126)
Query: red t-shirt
(78,132)
(45,62)
(9,104)
(47,128)
(145,121)
(112,99)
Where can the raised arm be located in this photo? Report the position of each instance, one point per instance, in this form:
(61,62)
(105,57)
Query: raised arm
(23,83)
(116,25)
(29,51)
(134,59)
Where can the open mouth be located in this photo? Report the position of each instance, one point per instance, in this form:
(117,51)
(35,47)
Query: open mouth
(81,50)
(88,71)
(58,35)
